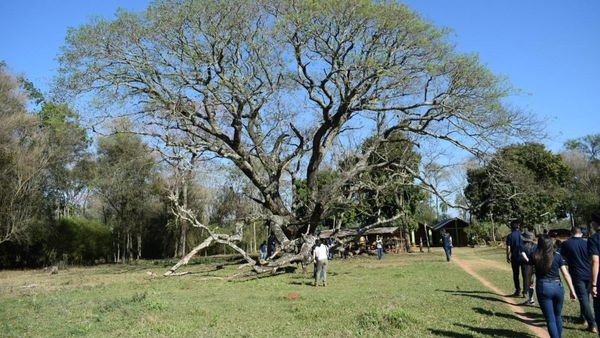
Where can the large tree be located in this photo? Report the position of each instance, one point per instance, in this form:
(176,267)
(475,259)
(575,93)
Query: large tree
(24,158)
(271,87)
(523,181)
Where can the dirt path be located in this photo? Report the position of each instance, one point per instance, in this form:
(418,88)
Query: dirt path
(518,310)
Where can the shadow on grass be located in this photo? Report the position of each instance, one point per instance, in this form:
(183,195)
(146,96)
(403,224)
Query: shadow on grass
(478,295)
(445,333)
(301,283)
(467,291)
(492,332)
(534,318)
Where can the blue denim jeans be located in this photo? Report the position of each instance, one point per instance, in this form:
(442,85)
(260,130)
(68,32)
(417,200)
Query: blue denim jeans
(448,251)
(380,253)
(583,288)
(551,296)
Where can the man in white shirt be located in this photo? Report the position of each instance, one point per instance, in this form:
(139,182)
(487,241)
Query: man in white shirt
(320,255)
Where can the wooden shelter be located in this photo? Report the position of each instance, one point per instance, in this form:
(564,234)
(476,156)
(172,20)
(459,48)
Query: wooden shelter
(456,227)
(391,236)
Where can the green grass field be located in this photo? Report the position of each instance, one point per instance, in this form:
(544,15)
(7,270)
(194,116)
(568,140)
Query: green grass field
(412,295)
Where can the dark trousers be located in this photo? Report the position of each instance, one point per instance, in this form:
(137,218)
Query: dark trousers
(448,251)
(597,310)
(516,265)
(551,296)
(583,288)
(379,253)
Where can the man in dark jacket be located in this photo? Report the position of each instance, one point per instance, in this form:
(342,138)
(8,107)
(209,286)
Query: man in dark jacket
(513,252)
(447,244)
(575,252)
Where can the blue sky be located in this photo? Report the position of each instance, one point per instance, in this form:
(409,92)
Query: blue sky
(549,49)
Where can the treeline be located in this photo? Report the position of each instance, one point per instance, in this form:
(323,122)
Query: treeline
(66,197)
(527,182)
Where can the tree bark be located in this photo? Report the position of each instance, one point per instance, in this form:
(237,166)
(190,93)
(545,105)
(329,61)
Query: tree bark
(139,245)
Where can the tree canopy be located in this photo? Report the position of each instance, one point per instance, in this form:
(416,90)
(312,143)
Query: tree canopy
(271,87)
(523,182)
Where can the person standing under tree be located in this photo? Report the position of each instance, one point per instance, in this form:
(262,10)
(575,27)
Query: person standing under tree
(594,252)
(263,251)
(513,252)
(575,252)
(447,244)
(379,247)
(320,257)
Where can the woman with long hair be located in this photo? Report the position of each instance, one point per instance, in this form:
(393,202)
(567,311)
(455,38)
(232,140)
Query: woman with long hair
(548,287)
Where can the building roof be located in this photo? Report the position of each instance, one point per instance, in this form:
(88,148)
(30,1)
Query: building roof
(339,233)
(381,231)
(459,222)
(354,232)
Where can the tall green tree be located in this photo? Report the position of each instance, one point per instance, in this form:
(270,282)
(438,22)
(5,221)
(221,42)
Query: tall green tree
(125,171)
(69,161)
(24,158)
(271,86)
(583,157)
(522,181)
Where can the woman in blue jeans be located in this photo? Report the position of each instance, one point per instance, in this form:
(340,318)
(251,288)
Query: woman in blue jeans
(548,288)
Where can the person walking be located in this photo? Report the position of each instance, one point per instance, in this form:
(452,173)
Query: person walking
(320,257)
(594,253)
(447,244)
(548,265)
(513,252)
(527,250)
(379,248)
(575,253)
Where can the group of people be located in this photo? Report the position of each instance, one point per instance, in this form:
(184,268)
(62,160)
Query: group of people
(576,259)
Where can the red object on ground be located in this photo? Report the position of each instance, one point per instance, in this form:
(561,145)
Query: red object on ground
(293,295)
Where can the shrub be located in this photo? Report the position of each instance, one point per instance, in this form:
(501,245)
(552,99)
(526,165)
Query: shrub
(82,241)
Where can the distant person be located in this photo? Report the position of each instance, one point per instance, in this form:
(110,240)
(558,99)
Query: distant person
(575,253)
(513,252)
(272,246)
(527,250)
(548,287)
(320,257)
(594,252)
(379,248)
(447,244)
(331,246)
(263,251)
